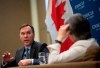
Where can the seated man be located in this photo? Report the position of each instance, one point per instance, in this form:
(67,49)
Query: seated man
(27,54)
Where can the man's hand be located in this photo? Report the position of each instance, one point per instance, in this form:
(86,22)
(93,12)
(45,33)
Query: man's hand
(7,57)
(25,62)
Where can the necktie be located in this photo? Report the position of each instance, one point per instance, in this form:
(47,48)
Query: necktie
(26,53)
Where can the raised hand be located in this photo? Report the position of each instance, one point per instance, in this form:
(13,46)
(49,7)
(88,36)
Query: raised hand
(7,57)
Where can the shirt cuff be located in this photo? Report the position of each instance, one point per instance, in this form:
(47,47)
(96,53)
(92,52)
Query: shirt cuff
(32,61)
(4,64)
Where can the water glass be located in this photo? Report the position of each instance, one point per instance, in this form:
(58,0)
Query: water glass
(43,57)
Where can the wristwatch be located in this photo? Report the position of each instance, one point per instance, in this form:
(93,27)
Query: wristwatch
(57,41)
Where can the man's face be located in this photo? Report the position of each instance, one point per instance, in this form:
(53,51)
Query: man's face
(26,35)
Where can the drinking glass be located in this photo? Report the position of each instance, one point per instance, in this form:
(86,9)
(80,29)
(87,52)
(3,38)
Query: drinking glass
(43,57)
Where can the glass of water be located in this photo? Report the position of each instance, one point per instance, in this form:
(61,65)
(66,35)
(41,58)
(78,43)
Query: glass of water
(43,57)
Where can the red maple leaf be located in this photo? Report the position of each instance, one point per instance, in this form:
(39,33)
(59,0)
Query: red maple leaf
(57,13)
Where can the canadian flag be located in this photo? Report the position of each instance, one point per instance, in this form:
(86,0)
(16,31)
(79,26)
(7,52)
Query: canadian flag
(57,13)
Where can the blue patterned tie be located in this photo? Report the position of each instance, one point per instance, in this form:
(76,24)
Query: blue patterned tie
(26,53)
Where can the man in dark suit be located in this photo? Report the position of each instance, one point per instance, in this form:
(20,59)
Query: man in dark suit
(27,54)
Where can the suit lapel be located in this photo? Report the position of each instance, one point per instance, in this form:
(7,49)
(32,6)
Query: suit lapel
(20,55)
(32,53)
(34,50)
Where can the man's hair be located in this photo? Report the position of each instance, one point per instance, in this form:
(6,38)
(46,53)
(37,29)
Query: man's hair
(24,25)
(79,26)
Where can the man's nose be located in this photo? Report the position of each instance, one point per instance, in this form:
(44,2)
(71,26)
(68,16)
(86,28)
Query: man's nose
(26,35)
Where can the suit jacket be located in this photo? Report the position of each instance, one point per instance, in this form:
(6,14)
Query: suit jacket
(35,48)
